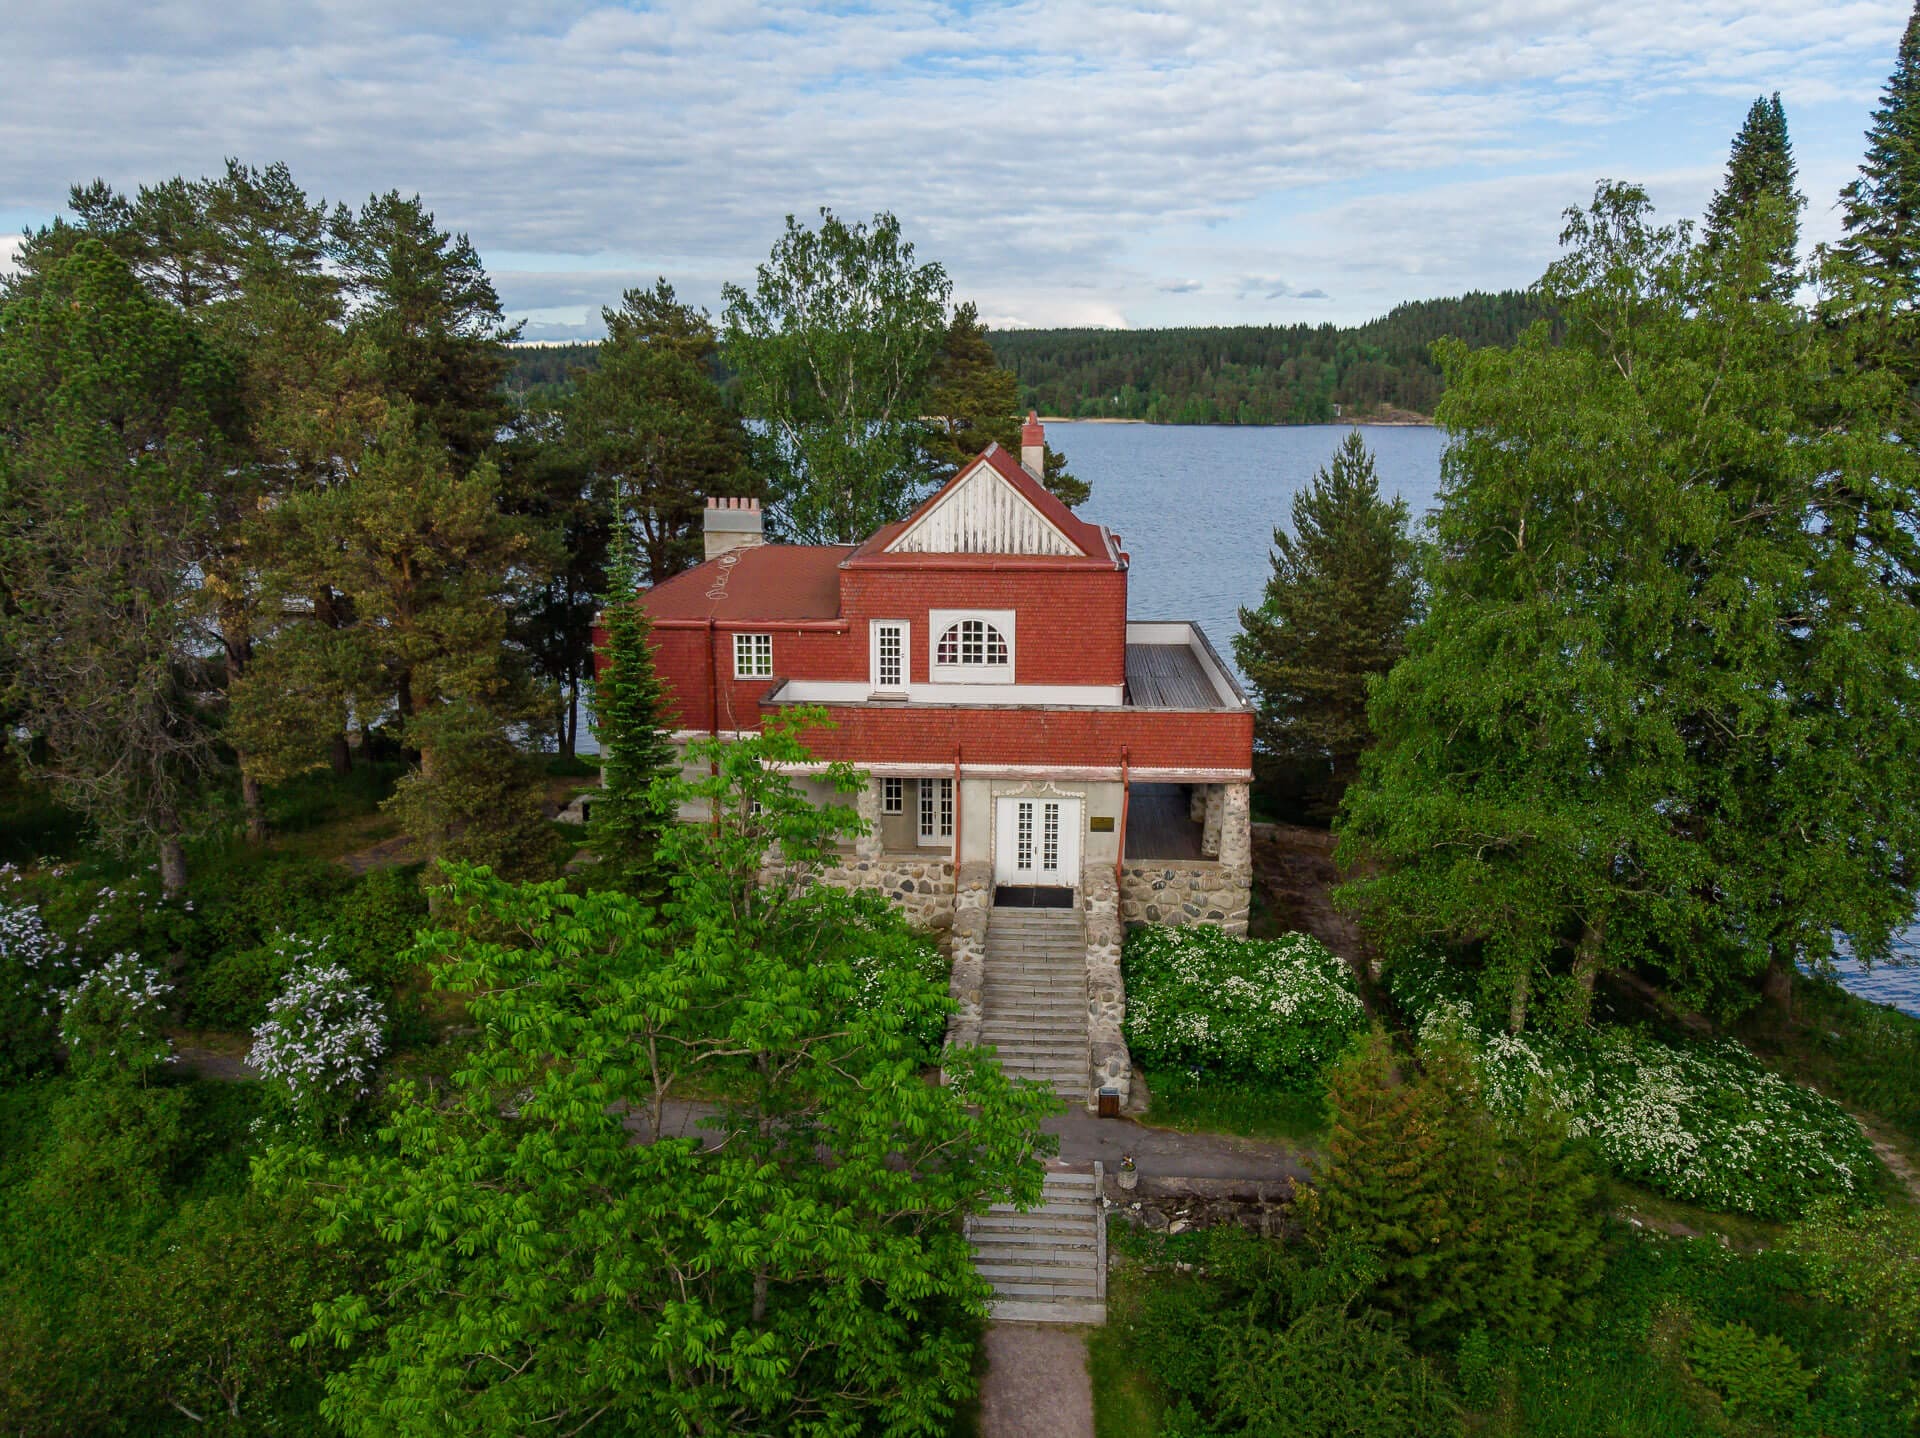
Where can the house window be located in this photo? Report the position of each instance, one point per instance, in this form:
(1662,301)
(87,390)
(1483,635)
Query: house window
(971,641)
(893,796)
(889,654)
(936,810)
(753,656)
(972,648)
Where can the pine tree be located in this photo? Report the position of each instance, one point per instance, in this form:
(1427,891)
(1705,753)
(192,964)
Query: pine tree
(634,748)
(656,430)
(1761,172)
(1336,612)
(1881,217)
(975,402)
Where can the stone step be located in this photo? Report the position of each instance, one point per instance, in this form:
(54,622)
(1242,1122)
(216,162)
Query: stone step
(1020,1043)
(1046,1003)
(1074,1218)
(1008,1286)
(1091,1312)
(1062,1054)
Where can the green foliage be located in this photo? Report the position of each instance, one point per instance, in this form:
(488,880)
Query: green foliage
(1257,1339)
(1754,1373)
(663,1283)
(127,1306)
(834,348)
(1245,374)
(629,813)
(1334,618)
(1473,1221)
(1271,1009)
(112,1143)
(1658,716)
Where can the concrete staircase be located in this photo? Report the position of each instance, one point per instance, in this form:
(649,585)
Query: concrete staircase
(1048,1265)
(1033,997)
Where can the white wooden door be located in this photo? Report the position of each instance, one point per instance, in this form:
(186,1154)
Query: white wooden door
(1037,841)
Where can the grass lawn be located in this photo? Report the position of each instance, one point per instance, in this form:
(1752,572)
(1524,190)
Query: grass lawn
(1243,1107)
(1126,1401)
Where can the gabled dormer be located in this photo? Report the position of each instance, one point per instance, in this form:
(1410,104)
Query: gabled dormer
(995,506)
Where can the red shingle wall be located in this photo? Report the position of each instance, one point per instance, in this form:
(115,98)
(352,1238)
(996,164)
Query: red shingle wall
(1154,738)
(1069,627)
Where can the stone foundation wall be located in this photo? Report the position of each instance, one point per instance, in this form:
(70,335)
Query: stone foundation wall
(972,898)
(923,888)
(1111,1065)
(1175,1205)
(1186,891)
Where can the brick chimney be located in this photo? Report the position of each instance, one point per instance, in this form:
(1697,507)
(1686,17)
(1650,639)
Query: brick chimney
(733,524)
(1033,446)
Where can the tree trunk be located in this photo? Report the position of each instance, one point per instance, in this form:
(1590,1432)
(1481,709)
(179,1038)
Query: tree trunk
(1586,964)
(256,810)
(342,756)
(570,727)
(173,866)
(1517,1010)
(1777,989)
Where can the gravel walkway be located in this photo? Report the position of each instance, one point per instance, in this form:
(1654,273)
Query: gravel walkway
(1036,1384)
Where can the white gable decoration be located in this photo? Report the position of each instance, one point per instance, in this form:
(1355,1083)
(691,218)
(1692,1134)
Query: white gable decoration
(982,514)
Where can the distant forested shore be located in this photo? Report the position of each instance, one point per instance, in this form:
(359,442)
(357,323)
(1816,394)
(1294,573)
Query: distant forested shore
(1237,374)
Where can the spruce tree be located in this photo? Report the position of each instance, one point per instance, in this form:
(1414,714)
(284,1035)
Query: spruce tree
(1471,1219)
(1335,614)
(634,748)
(1761,172)
(1881,218)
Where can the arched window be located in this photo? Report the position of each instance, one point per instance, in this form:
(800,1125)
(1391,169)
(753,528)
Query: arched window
(971,643)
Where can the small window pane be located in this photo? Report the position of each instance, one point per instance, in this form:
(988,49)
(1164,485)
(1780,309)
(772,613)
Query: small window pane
(893,796)
(889,657)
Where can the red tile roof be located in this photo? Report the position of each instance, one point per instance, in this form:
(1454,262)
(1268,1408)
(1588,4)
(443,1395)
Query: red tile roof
(761,581)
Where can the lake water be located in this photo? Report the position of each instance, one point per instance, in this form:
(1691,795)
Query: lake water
(1196,506)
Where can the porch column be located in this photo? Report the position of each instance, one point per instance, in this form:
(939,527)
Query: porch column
(866,804)
(1216,809)
(1236,827)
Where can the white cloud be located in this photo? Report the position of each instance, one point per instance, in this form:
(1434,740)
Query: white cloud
(9,247)
(1040,149)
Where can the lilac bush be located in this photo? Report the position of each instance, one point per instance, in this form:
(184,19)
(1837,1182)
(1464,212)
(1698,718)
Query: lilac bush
(322,1038)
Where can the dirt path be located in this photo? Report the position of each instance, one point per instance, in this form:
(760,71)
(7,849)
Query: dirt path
(1896,1162)
(1036,1383)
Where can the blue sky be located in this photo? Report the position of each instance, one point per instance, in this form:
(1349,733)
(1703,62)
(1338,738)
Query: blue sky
(1070,163)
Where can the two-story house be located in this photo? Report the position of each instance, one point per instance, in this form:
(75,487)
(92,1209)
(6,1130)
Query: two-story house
(1030,747)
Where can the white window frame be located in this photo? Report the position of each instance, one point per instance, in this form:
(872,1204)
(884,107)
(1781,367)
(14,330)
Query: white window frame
(935,819)
(753,656)
(906,655)
(893,796)
(939,621)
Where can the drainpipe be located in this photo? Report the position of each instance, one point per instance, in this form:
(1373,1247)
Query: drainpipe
(713,714)
(957,812)
(1126,795)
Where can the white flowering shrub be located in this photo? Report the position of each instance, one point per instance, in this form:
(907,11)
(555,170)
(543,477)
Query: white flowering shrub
(1199,998)
(111,1018)
(37,967)
(1702,1122)
(322,1038)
